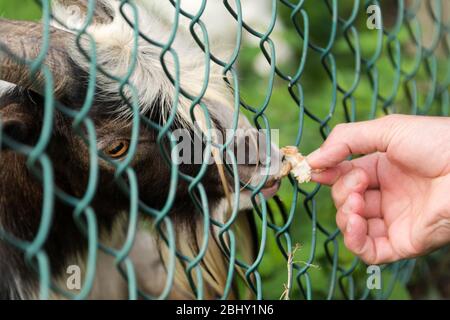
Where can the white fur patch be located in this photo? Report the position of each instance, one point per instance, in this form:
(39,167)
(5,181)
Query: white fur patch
(115,51)
(5,87)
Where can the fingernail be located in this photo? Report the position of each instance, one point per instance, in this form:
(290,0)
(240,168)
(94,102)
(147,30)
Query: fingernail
(347,207)
(351,180)
(349,226)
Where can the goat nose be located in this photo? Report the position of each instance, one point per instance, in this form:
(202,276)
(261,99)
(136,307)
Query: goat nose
(14,129)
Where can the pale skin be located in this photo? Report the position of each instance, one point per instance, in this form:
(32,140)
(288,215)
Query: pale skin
(393,202)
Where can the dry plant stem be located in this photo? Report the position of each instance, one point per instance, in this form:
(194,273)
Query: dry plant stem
(290,261)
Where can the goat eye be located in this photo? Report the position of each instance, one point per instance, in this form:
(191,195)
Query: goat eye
(117,149)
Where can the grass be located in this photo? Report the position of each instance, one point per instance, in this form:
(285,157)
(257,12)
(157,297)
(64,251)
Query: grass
(26,10)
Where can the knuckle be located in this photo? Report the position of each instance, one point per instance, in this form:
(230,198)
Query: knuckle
(336,192)
(369,260)
(391,120)
(348,244)
(369,257)
(341,221)
(363,178)
(392,117)
(390,126)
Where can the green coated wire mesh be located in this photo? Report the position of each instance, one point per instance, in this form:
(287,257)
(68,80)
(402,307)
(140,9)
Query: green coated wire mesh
(339,69)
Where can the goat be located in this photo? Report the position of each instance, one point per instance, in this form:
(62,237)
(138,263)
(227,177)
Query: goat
(22,116)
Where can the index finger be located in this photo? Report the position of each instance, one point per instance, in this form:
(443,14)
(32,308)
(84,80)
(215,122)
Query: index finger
(367,163)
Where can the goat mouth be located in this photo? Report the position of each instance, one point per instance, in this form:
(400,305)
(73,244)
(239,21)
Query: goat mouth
(268,191)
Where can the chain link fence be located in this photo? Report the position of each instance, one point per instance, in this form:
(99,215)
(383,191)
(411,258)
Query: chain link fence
(344,63)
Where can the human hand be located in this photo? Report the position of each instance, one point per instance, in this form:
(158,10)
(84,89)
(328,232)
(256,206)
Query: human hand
(393,202)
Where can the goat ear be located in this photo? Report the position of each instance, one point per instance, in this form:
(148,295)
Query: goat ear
(23,39)
(75,11)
